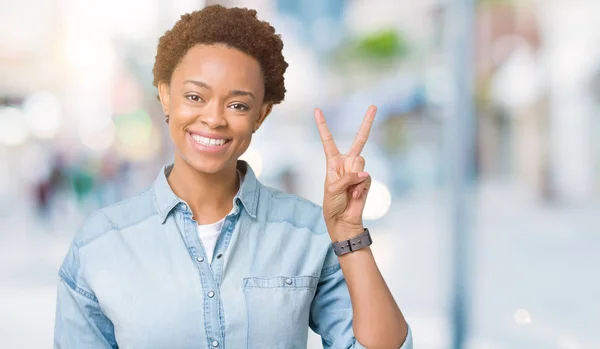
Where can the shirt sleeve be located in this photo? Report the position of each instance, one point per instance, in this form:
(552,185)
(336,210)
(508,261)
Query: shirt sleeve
(331,312)
(79,322)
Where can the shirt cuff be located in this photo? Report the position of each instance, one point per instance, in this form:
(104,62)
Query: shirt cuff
(408,342)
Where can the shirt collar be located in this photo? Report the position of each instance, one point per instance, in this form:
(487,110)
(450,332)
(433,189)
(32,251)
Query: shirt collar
(166,200)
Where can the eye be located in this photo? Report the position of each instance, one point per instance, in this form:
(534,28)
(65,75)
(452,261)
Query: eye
(194,98)
(239,107)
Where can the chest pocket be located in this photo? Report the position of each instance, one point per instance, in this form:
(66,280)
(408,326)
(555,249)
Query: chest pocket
(278,310)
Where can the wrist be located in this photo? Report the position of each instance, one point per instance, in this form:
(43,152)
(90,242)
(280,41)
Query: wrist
(353,244)
(342,232)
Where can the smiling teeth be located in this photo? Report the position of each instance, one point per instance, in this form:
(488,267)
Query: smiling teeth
(209,142)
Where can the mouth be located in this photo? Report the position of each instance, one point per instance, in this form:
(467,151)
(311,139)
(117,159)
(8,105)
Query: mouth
(208,143)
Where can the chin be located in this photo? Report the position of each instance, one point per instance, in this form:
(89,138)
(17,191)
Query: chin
(208,165)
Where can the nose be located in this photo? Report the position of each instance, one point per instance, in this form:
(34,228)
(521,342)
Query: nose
(213,115)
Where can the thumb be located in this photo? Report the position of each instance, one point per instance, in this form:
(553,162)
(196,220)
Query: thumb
(349,179)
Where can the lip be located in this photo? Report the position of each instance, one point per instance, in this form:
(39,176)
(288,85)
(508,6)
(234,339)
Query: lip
(208,135)
(208,149)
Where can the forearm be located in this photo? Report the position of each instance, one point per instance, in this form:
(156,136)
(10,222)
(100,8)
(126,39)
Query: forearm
(377,320)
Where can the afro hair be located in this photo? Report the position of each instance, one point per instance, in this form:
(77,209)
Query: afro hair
(238,28)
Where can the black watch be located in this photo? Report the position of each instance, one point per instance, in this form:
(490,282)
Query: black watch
(356,243)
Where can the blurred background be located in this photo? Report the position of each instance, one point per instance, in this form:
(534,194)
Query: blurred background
(511,226)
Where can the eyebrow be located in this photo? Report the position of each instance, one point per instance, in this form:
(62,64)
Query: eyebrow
(231,93)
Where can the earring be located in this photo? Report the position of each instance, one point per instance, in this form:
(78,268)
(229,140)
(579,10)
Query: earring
(167,119)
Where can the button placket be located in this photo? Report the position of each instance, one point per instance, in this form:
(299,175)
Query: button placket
(194,247)
(222,245)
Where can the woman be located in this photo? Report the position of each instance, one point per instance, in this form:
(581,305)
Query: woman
(208,257)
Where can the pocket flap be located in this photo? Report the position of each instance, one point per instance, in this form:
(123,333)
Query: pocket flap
(305,282)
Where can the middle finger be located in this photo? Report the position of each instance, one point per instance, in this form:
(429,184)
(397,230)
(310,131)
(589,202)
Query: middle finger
(363,133)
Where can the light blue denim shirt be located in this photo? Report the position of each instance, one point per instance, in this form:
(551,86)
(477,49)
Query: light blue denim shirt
(136,276)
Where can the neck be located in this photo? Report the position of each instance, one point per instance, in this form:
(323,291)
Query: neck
(195,188)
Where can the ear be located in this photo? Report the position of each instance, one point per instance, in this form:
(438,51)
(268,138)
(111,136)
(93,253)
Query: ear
(164,96)
(265,110)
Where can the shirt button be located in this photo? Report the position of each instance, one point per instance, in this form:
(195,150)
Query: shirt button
(215,344)
(288,281)
(210,295)
(200,259)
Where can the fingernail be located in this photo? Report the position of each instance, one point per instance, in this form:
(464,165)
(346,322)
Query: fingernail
(355,194)
(363,175)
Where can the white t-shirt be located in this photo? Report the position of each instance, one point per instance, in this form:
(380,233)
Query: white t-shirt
(209,233)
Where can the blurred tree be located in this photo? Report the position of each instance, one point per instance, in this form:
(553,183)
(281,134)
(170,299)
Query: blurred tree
(375,49)
(388,44)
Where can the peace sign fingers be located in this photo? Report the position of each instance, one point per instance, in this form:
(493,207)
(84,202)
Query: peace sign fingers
(346,183)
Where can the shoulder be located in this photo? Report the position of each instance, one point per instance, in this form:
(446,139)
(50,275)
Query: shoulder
(101,222)
(282,207)
(115,217)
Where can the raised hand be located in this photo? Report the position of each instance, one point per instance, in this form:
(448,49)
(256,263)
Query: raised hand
(346,183)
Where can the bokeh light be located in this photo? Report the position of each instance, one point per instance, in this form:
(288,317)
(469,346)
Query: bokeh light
(137,138)
(99,140)
(89,54)
(522,317)
(43,114)
(13,129)
(378,202)
(253,157)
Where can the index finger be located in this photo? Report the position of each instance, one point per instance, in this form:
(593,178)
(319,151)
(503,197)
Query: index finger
(331,149)
(363,133)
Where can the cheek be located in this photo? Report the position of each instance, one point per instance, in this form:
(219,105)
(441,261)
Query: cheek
(181,117)
(184,113)
(176,136)
(177,124)
(244,133)
(243,126)
(244,136)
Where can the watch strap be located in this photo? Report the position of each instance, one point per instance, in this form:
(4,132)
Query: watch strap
(356,243)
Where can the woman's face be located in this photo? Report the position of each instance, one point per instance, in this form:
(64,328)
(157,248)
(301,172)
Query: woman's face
(215,103)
